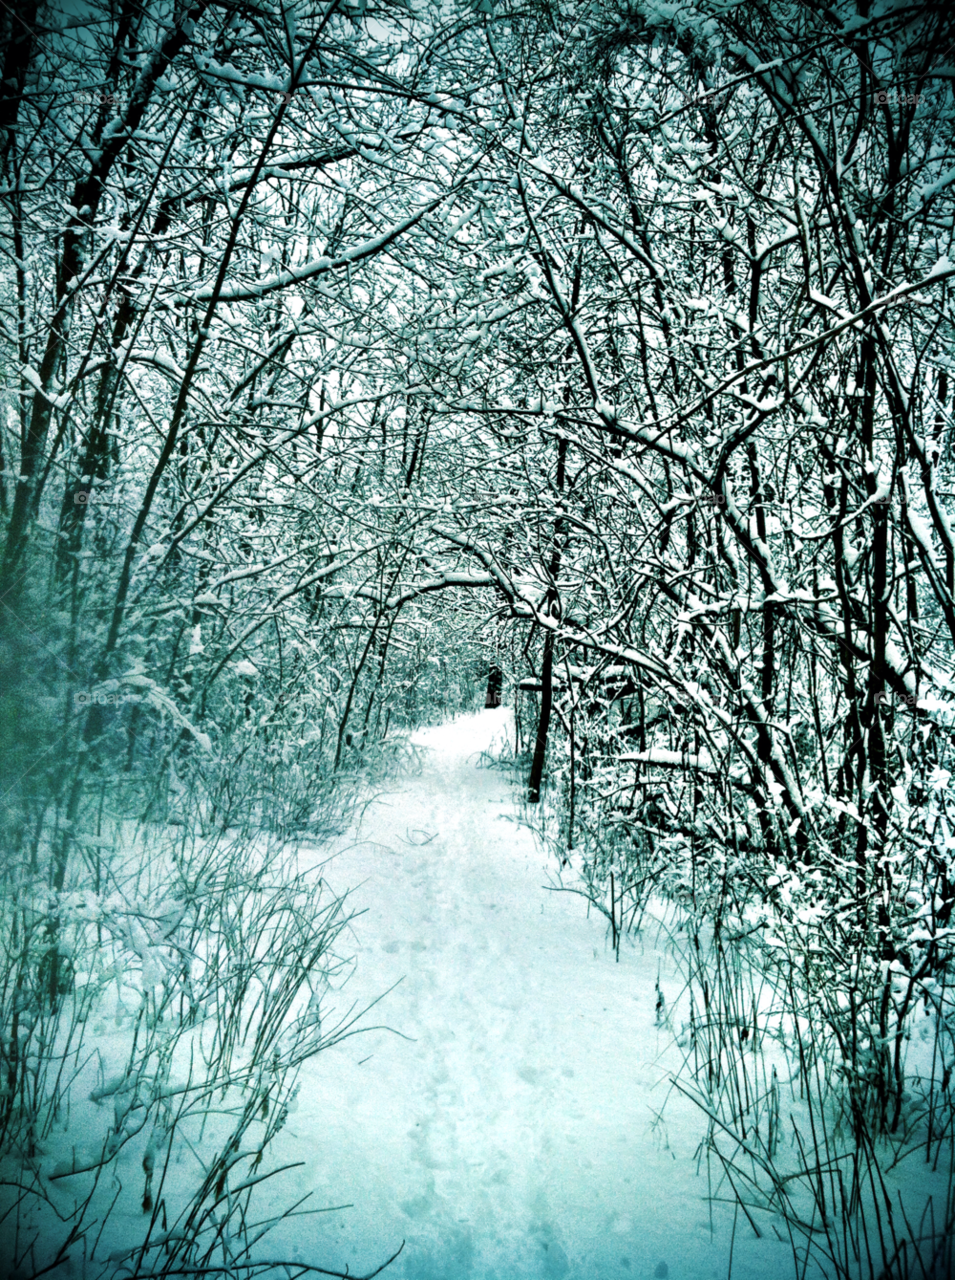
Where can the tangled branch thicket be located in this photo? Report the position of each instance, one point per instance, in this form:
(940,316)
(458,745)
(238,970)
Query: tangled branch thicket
(352,352)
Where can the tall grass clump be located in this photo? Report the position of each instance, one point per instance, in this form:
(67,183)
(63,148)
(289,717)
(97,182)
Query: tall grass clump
(144,1086)
(168,956)
(824,1077)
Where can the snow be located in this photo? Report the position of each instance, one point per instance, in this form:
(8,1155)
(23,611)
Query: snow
(508,1112)
(517,1118)
(944,266)
(31,376)
(318,266)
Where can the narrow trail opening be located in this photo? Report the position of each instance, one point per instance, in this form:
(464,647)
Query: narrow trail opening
(517,1130)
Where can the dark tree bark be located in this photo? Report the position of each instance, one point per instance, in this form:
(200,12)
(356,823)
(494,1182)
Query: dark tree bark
(543,723)
(495,683)
(547,665)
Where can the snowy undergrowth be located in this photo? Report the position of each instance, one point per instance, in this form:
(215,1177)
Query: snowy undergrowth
(154,1015)
(794,1137)
(822,1071)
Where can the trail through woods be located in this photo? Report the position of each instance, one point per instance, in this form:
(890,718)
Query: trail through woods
(513,1133)
(350,355)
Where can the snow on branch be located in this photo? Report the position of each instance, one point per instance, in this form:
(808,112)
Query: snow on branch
(239,292)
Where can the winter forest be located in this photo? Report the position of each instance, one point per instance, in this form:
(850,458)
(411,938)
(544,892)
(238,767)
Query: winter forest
(363,363)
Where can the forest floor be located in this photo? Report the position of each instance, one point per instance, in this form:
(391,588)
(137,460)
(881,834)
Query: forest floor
(516,1118)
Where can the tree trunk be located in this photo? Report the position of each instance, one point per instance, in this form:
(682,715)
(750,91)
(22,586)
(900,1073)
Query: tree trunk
(543,724)
(495,682)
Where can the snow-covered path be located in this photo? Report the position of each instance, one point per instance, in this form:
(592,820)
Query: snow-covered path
(513,1133)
